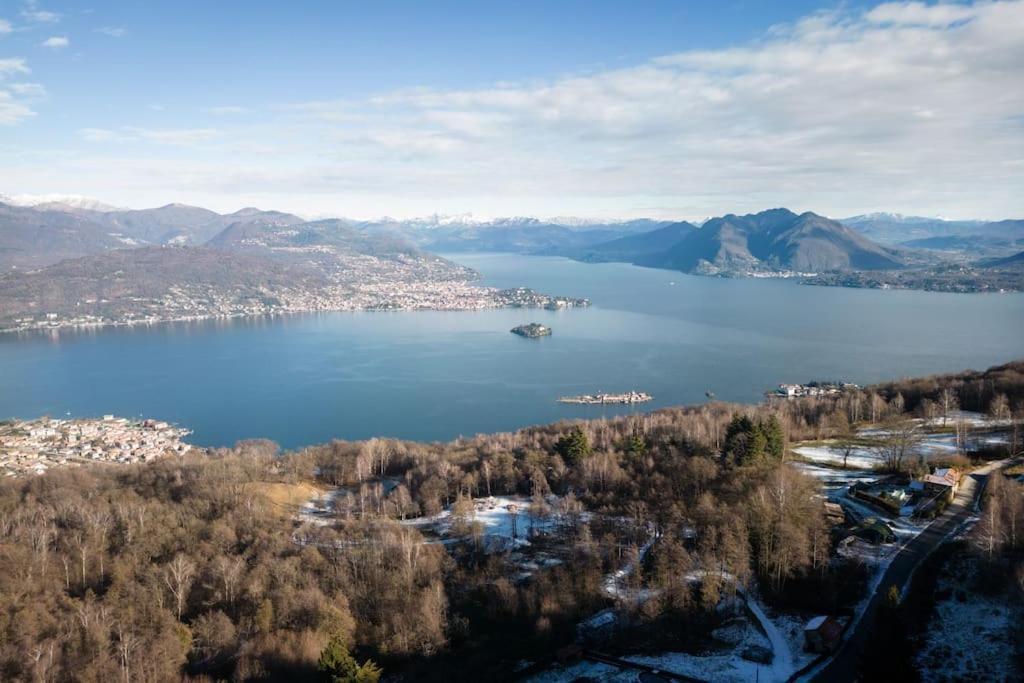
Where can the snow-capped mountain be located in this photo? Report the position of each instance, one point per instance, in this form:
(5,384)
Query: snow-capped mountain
(58,201)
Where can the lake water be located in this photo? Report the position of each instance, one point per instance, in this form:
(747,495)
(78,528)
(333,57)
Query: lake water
(436,375)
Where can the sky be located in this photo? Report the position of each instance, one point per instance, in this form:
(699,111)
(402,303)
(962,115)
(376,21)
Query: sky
(573,108)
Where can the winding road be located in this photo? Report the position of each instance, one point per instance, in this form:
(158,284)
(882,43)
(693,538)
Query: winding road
(843,665)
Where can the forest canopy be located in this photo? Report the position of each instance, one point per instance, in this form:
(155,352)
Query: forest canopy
(198,566)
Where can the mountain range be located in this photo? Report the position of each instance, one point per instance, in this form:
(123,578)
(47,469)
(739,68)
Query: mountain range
(50,232)
(69,265)
(516,234)
(917,232)
(777,239)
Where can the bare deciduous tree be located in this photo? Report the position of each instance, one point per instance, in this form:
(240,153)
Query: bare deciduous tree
(179,574)
(897,443)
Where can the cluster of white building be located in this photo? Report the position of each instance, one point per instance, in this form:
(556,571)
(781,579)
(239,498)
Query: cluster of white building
(35,446)
(805,390)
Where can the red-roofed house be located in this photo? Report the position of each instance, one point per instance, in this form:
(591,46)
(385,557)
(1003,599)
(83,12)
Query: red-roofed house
(822,634)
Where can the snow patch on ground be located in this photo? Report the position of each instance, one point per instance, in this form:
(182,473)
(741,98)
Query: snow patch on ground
(905,528)
(585,670)
(728,668)
(861,458)
(320,509)
(970,635)
(731,666)
(831,477)
(123,239)
(792,629)
(615,583)
(933,445)
(970,417)
(506,521)
(782,663)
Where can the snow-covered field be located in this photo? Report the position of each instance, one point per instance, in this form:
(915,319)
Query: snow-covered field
(731,666)
(946,444)
(830,476)
(969,637)
(966,416)
(505,520)
(728,668)
(934,444)
(861,458)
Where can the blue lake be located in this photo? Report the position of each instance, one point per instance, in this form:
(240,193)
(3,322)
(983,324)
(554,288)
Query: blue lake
(437,375)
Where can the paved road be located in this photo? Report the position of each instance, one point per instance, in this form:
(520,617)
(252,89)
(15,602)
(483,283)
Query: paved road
(843,666)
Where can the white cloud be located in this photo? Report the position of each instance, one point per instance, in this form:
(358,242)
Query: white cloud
(13,65)
(12,109)
(32,12)
(27,89)
(15,98)
(920,14)
(98,135)
(5,27)
(112,31)
(175,136)
(41,16)
(909,107)
(906,105)
(227,110)
(56,42)
(168,136)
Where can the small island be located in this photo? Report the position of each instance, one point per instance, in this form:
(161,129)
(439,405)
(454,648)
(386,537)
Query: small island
(532,331)
(600,399)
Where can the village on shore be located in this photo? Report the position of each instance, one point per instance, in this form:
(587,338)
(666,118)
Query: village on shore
(36,446)
(193,304)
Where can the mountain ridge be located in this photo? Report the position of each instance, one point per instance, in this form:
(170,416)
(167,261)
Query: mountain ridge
(774,239)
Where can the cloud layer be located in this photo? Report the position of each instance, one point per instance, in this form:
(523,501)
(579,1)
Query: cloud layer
(908,106)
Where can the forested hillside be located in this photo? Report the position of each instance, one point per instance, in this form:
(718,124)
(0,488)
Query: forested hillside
(206,565)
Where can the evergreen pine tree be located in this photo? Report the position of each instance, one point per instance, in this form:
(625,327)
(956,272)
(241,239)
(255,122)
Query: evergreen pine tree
(637,444)
(574,446)
(337,662)
(340,666)
(757,445)
(776,446)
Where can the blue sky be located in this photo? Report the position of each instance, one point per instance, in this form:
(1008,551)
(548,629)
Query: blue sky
(668,109)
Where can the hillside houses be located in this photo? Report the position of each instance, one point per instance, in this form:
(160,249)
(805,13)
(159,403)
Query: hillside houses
(35,446)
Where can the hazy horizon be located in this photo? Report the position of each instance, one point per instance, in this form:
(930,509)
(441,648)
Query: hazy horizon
(28,200)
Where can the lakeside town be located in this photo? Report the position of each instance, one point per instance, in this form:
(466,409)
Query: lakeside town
(188,303)
(36,446)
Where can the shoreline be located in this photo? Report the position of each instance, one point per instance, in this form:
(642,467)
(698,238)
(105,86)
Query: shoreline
(550,303)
